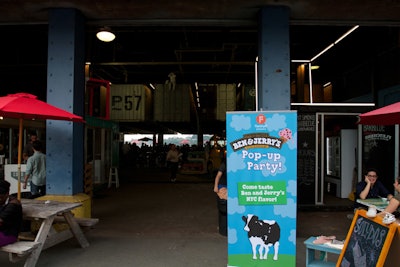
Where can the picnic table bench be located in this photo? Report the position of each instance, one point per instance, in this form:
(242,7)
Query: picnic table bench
(84,223)
(47,213)
(19,249)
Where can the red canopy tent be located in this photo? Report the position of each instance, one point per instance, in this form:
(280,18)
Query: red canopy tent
(26,106)
(388,115)
(184,142)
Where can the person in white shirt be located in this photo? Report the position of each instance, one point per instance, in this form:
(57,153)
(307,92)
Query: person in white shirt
(172,159)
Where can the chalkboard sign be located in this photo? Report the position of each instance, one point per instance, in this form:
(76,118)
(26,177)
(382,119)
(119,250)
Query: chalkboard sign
(306,158)
(367,242)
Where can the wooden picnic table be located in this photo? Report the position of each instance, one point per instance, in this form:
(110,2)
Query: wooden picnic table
(47,236)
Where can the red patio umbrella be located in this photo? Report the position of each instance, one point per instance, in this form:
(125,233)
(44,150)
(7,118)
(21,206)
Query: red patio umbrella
(26,106)
(184,142)
(388,115)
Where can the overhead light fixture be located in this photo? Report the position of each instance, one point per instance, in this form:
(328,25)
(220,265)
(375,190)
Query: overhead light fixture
(335,43)
(313,67)
(348,104)
(323,51)
(105,35)
(347,33)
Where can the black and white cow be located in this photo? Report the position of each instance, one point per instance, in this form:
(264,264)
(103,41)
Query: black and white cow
(262,233)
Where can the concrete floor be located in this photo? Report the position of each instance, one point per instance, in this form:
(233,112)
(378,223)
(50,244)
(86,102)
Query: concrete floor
(150,222)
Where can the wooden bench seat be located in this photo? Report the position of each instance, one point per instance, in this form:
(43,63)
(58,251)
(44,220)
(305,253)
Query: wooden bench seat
(26,236)
(19,249)
(83,222)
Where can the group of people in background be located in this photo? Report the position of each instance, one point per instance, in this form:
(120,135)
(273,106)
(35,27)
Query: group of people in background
(146,156)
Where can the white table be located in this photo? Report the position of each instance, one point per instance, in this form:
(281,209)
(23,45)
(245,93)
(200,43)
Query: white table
(45,212)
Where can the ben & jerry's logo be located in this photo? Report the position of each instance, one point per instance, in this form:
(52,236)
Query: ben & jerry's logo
(256,140)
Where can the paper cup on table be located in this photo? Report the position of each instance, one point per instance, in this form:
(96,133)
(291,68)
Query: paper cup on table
(371,211)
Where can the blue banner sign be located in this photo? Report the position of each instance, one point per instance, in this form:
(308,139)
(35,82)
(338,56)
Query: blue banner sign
(262,188)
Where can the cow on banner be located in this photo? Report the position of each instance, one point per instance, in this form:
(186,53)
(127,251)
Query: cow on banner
(262,234)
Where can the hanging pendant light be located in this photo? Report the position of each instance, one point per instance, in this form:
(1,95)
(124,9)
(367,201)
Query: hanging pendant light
(105,35)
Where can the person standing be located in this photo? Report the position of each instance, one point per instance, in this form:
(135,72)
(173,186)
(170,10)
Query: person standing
(220,179)
(36,170)
(220,188)
(172,159)
(10,215)
(28,149)
(126,148)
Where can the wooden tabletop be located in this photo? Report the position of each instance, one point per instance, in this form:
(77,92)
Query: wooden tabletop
(33,208)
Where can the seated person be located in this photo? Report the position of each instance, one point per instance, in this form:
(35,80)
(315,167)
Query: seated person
(371,187)
(10,215)
(394,202)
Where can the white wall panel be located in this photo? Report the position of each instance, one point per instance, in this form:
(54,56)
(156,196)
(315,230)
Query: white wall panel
(226,100)
(172,105)
(130,102)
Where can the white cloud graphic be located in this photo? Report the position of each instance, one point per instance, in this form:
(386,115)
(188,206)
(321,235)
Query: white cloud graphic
(274,166)
(234,207)
(292,236)
(277,122)
(236,162)
(232,236)
(292,143)
(288,210)
(292,188)
(240,122)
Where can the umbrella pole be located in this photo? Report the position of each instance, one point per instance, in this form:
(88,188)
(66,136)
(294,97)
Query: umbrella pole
(19,158)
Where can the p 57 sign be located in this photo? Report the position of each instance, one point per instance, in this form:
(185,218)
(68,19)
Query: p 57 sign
(128,102)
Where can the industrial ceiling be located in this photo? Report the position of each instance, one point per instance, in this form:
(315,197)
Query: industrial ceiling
(209,42)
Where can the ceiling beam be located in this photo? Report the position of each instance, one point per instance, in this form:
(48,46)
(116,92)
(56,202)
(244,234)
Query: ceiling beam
(166,63)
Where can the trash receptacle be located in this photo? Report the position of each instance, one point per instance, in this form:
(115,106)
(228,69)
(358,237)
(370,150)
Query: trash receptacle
(222,216)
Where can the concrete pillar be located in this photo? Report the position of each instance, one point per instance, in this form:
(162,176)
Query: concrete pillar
(160,139)
(66,90)
(274,59)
